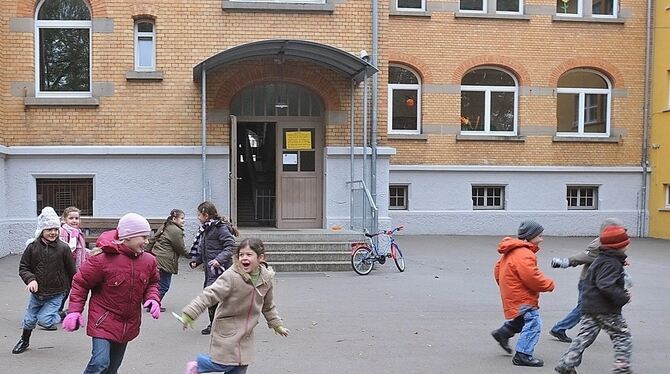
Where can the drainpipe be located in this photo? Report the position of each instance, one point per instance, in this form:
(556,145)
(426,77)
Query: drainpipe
(642,227)
(365,135)
(351,156)
(203,108)
(373,134)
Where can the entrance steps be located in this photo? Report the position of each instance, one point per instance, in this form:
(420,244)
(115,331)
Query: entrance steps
(306,249)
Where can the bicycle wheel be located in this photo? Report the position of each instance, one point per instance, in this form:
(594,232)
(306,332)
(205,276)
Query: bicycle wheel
(362,260)
(398,258)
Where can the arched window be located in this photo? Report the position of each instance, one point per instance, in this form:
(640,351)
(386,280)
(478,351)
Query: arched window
(583,104)
(404,101)
(489,102)
(276,99)
(145,45)
(63,48)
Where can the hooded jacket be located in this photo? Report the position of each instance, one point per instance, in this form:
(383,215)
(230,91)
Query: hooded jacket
(604,291)
(592,250)
(240,306)
(168,246)
(518,276)
(120,281)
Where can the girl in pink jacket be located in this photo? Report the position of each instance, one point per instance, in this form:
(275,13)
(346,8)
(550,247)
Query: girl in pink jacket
(70,233)
(122,279)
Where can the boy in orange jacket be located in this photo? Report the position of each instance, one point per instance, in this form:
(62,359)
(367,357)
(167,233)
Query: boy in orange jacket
(521,282)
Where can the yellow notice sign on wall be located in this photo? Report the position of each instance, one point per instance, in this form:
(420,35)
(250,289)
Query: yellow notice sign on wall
(298,140)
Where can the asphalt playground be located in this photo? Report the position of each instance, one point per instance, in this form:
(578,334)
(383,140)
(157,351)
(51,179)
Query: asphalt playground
(436,317)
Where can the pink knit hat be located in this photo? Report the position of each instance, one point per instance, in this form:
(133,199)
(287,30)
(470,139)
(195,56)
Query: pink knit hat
(131,225)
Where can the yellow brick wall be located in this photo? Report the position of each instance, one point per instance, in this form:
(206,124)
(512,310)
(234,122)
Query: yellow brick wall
(659,152)
(441,48)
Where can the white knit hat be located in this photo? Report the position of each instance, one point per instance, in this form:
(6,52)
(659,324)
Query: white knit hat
(48,219)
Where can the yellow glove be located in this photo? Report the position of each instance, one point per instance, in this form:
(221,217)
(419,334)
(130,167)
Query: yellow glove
(187,321)
(281,330)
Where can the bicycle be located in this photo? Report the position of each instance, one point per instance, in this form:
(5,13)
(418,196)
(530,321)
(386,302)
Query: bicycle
(365,254)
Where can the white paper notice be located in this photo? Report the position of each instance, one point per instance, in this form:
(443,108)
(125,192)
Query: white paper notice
(290,159)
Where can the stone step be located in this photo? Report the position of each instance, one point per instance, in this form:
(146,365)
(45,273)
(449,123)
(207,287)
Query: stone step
(308,256)
(306,266)
(316,235)
(307,246)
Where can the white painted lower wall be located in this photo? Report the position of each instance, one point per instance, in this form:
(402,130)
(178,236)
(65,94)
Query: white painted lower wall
(440,199)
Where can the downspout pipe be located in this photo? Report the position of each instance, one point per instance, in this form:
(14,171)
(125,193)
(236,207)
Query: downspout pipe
(203,114)
(365,138)
(351,156)
(642,227)
(374,125)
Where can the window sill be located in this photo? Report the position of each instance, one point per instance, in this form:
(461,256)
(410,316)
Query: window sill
(144,75)
(619,21)
(491,138)
(62,101)
(519,17)
(666,109)
(664,209)
(408,136)
(258,6)
(410,13)
(587,139)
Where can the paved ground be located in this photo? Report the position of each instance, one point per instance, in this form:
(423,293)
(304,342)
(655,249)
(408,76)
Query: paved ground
(434,318)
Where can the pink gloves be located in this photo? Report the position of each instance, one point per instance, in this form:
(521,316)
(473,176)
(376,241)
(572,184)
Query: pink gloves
(155,308)
(73,321)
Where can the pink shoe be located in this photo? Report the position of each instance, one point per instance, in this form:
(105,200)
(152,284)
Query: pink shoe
(192,368)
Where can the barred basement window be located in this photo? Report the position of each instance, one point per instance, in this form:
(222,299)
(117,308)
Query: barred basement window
(488,197)
(582,197)
(398,197)
(61,193)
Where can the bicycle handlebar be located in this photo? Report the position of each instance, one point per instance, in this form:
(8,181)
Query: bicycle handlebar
(385,232)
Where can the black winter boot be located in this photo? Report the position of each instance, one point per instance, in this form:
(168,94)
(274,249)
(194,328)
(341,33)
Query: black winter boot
(502,336)
(522,359)
(23,344)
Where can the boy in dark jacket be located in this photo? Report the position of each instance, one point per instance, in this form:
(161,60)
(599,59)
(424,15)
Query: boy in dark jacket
(603,297)
(47,269)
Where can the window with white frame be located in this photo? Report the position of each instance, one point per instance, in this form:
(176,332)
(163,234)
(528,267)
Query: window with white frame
(488,197)
(145,46)
(488,102)
(604,8)
(583,104)
(475,6)
(582,197)
(61,193)
(667,195)
(411,5)
(509,6)
(398,197)
(571,8)
(63,48)
(404,101)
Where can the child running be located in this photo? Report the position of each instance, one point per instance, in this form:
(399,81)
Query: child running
(167,245)
(242,292)
(213,246)
(604,296)
(120,279)
(521,282)
(46,268)
(69,233)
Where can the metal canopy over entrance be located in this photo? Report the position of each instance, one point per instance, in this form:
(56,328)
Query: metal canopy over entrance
(330,57)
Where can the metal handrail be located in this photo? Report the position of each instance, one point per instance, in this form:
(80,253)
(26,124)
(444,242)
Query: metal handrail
(367,193)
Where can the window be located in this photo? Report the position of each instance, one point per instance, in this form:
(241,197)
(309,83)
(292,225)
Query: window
(478,6)
(604,8)
(404,102)
(412,5)
(61,193)
(63,48)
(569,8)
(398,197)
(667,196)
(509,6)
(582,197)
(488,197)
(145,46)
(488,102)
(583,104)
(276,99)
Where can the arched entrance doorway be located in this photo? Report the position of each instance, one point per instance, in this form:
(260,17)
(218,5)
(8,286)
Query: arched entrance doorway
(277,148)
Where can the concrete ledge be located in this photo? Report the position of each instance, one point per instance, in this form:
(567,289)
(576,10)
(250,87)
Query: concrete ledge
(144,75)
(346,151)
(407,136)
(513,17)
(491,138)
(258,6)
(410,13)
(618,21)
(112,150)
(62,101)
(587,139)
(509,168)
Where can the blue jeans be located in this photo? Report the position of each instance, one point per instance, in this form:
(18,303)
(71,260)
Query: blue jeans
(530,333)
(42,310)
(164,282)
(106,357)
(206,365)
(572,319)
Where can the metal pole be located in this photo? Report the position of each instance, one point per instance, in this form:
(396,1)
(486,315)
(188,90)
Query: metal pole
(365,134)
(203,108)
(642,227)
(351,158)
(373,135)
